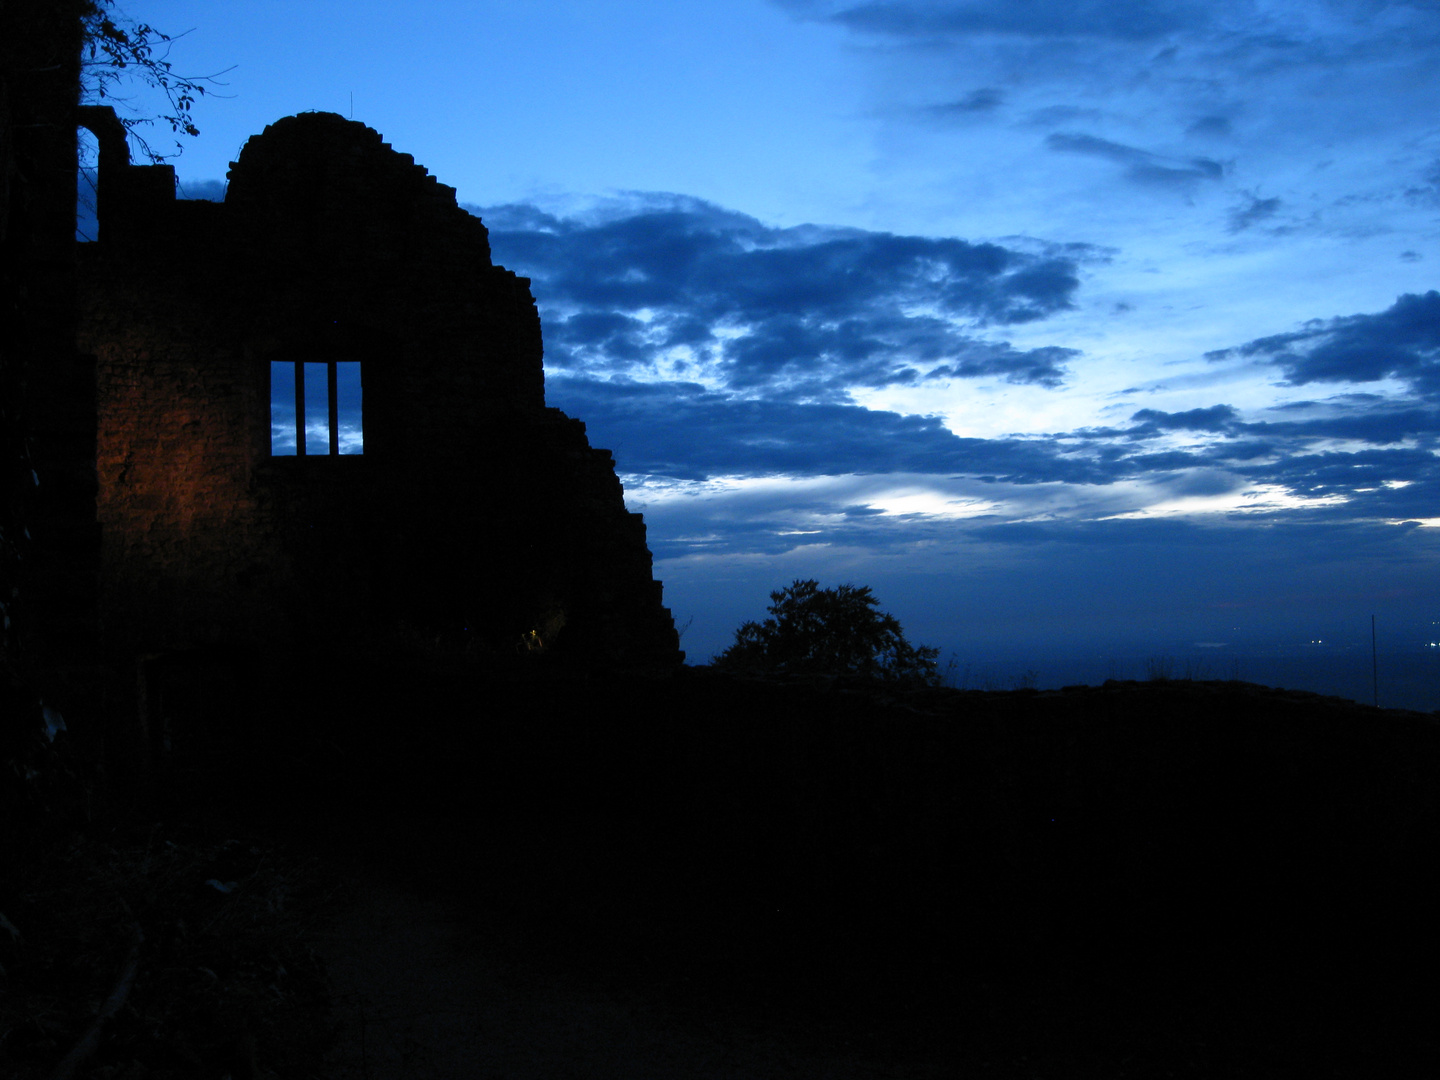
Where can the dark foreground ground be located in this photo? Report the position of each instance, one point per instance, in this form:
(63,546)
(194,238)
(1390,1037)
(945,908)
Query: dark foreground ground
(718,877)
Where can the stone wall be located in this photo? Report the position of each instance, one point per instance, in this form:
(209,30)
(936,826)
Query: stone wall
(475,514)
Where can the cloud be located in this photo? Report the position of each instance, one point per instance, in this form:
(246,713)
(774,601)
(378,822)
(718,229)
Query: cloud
(1234,26)
(1192,64)
(1428,191)
(661,285)
(1253,211)
(1402,342)
(1360,472)
(1381,423)
(984,100)
(1210,127)
(1141,166)
(686,432)
(1215,418)
(1140,20)
(1055,115)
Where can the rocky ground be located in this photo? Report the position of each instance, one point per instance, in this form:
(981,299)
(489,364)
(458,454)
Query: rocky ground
(702,876)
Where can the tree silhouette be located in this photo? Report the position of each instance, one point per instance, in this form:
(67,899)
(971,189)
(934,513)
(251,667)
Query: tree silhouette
(831,631)
(117,50)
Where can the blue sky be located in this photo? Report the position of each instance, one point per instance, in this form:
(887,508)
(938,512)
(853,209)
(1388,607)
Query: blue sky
(1071,327)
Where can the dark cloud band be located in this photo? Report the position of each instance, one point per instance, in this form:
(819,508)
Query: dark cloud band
(1402,342)
(1140,165)
(1139,20)
(807,312)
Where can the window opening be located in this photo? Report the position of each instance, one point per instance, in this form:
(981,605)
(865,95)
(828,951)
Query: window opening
(87,218)
(316,408)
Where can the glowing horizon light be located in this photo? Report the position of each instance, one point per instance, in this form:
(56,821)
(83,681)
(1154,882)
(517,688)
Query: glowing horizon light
(930,504)
(1255,500)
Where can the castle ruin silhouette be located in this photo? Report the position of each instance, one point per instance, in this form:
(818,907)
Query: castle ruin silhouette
(426,494)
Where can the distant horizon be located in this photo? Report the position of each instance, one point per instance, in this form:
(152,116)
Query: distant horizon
(1409,678)
(1337,665)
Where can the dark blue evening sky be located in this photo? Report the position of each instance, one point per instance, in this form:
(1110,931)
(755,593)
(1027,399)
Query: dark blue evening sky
(1075,329)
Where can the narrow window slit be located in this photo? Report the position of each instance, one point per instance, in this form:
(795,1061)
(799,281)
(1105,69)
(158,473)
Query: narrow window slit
(317,409)
(348,407)
(283,417)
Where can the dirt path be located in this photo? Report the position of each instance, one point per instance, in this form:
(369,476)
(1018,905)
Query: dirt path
(425,990)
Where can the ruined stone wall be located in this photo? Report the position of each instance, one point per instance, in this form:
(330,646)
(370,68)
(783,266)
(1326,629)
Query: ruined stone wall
(474,514)
(176,452)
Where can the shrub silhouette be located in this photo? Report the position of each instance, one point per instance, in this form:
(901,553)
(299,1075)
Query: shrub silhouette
(830,631)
